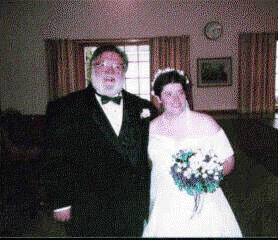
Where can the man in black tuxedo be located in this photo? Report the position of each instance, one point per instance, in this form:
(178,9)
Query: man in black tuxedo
(96,170)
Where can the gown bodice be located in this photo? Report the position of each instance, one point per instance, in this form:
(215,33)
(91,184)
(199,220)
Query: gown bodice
(170,208)
(162,148)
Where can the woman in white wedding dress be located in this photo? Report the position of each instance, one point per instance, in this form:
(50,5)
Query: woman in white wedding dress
(171,210)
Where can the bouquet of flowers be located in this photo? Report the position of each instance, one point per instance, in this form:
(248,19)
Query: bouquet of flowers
(197,171)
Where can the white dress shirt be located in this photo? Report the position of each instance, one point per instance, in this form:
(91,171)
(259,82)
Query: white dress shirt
(114,113)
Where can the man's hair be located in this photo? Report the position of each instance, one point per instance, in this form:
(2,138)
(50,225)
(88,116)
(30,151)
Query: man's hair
(109,48)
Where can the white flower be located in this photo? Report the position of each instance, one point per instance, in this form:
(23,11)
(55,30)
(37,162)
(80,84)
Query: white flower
(197,174)
(189,170)
(194,165)
(145,113)
(214,159)
(210,171)
(205,175)
(187,174)
(211,166)
(194,158)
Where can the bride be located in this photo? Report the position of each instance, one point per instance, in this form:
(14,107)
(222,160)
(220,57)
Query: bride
(175,213)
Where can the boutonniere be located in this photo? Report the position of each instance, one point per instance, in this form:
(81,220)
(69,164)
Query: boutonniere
(145,113)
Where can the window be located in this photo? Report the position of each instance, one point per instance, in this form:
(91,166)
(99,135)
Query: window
(138,73)
(276,77)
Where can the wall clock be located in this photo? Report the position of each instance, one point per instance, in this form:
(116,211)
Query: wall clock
(213,30)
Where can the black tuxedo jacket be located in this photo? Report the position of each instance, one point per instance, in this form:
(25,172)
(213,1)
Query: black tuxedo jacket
(104,177)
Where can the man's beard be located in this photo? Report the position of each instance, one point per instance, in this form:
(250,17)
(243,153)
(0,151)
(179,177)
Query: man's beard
(106,89)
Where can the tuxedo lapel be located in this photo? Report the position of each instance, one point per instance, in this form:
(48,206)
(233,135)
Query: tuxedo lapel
(128,136)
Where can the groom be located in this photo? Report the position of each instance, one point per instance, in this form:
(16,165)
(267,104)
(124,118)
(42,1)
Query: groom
(96,171)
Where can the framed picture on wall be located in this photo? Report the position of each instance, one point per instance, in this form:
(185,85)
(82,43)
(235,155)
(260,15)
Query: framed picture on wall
(214,72)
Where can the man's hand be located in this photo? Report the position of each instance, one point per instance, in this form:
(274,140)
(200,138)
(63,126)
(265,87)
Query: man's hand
(62,215)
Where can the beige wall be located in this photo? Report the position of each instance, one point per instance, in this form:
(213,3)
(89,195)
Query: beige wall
(25,25)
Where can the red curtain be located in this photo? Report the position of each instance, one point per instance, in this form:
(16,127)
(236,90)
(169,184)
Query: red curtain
(66,73)
(256,72)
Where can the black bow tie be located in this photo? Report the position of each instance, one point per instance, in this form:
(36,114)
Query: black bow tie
(105,99)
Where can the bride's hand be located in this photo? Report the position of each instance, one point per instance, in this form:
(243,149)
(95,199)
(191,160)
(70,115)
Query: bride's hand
(228,165)
(63,215)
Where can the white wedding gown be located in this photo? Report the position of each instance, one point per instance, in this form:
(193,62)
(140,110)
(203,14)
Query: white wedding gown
(171,209)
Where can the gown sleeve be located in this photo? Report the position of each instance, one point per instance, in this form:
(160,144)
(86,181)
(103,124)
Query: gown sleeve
(222,145)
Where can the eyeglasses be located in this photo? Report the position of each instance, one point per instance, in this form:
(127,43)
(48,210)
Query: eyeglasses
(105,65)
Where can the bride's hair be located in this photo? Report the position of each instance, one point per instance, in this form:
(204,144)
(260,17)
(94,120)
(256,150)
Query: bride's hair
(173,76)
